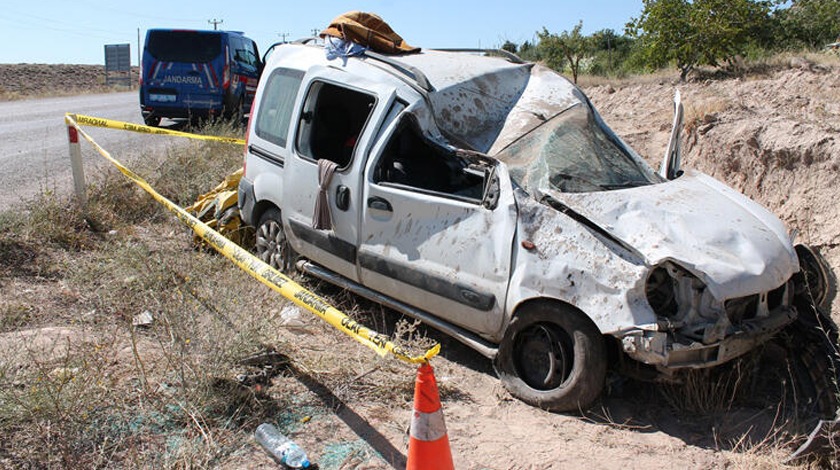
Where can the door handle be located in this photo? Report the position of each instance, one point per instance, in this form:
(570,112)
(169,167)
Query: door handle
(342,197)
(379,204)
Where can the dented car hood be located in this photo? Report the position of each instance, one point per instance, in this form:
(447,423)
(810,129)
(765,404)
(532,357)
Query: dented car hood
(731,243)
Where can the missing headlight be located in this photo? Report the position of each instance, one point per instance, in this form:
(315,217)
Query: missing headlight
(678,296)
(661,292)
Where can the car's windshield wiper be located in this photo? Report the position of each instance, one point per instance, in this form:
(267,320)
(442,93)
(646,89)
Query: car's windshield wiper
(624,185)
(557,180)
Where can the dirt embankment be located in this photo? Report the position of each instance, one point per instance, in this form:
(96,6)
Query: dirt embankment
(776,138)
(20,81)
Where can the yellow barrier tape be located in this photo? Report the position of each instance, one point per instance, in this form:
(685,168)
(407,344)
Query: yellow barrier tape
(268,275)
(83,120)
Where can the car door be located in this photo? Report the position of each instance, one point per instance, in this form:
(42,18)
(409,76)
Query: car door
(339,114)
(441,247)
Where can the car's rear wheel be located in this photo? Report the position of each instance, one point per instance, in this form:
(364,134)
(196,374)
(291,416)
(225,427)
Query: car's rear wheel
(152,121)
(271,244)
(552,357)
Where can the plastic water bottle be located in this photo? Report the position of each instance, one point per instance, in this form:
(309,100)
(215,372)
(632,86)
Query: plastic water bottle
(281,447)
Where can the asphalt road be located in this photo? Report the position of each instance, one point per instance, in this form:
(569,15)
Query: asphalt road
(34,155)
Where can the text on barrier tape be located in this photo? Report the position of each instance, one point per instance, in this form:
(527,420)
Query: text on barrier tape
(83,120)
(268,275)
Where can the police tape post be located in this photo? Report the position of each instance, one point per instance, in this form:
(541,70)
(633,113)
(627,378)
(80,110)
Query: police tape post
(77,167)
(256,267)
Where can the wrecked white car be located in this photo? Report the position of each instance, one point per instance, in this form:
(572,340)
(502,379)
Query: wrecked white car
(486,197)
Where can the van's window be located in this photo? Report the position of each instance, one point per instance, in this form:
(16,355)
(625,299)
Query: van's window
(244,51)
(333,118)
(184,46)
(275,111)
(413,162)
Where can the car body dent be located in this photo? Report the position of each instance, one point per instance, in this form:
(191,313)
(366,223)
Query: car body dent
(730,242)
(460,251)
(572,264)
(546,95)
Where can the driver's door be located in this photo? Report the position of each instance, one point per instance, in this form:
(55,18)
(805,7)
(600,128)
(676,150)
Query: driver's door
(430,246)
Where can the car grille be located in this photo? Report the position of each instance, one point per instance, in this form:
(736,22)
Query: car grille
(747,308)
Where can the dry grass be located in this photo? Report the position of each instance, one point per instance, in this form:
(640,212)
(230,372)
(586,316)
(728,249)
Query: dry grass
(748,69)
(109,393)
(27,81)
(660,76)
(106,393)
(700,112)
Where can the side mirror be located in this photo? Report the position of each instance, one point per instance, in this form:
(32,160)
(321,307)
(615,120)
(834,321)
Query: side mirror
(670,168)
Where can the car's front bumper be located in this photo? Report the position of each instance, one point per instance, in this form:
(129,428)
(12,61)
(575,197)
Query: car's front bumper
(659,348)
(247,201)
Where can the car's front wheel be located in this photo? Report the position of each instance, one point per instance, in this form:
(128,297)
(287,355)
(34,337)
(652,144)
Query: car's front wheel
(271,244)
(552,357)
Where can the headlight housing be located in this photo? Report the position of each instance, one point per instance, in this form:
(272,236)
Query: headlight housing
(684,305)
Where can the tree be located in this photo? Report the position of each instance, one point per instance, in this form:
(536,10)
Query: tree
(529,52)
(611,51)
(571,46)
(699,32)
(813,23)
(509,46)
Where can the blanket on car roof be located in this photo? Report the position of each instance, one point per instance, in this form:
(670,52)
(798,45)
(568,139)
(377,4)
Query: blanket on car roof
(368,29)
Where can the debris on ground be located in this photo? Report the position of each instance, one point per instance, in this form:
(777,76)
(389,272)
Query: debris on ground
(218,209)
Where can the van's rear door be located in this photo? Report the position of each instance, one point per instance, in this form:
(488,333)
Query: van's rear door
(187,69)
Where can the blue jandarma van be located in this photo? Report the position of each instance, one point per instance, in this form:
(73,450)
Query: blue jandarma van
(197,74)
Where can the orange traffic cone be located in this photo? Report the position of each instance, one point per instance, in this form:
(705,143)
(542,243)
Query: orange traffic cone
(428,444)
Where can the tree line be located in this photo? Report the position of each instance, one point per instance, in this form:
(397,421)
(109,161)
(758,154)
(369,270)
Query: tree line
(687,34)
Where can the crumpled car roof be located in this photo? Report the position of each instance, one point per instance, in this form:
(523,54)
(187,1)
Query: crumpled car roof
(485,103)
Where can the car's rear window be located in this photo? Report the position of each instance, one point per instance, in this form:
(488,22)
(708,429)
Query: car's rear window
(184,46)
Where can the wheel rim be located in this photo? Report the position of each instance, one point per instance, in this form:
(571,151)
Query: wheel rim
(543,356)
(271,244)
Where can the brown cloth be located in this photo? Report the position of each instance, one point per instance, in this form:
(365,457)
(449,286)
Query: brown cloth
(321,219)
(367,29)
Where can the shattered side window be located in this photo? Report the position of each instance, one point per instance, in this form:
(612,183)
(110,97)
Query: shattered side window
(573,152)
(411,162)
(333,119)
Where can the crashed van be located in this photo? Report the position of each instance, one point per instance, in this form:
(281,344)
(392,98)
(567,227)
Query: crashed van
(486,197)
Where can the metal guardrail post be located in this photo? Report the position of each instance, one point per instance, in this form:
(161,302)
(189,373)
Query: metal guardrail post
(76,164)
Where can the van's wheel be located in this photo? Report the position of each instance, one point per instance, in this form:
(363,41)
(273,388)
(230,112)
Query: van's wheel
(552,357)
(152,121)
(239,112)
(271,244)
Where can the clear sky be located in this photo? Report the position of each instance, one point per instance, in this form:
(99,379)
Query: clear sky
(75,31)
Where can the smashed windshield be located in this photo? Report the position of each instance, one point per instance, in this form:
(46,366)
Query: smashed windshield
(574,152)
